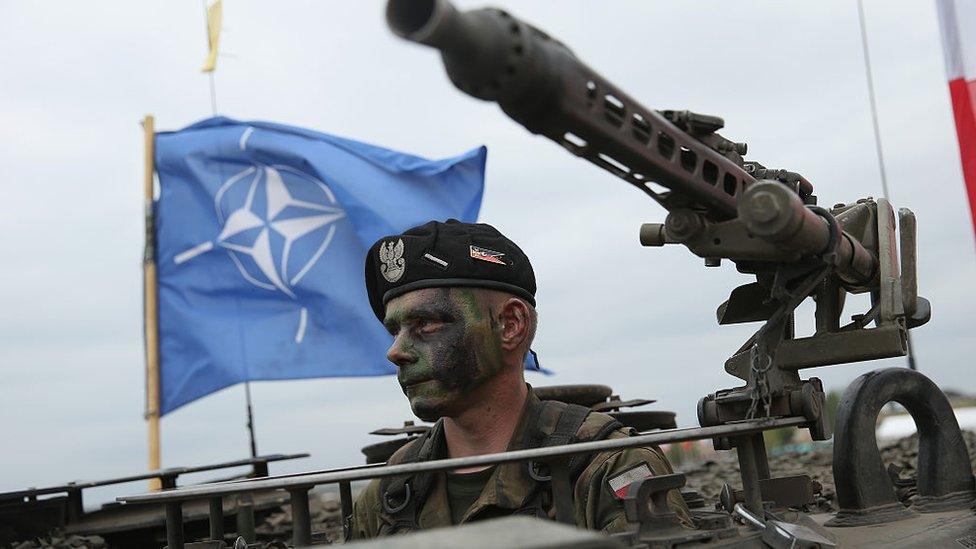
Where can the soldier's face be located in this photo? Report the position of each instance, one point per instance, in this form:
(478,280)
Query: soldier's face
(446,345)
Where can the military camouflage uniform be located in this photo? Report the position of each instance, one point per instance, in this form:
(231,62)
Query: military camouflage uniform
(511,489)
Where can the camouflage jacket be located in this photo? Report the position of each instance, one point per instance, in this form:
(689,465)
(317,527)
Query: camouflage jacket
(511,488)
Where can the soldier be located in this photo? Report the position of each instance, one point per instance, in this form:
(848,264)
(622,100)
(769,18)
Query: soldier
(459,300)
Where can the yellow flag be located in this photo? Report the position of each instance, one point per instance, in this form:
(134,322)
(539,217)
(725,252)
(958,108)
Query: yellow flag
(214,15)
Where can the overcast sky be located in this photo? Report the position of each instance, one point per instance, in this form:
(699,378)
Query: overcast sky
(788,77)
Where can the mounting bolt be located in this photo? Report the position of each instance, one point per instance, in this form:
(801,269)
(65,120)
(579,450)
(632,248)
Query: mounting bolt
(713,261)
(683,225)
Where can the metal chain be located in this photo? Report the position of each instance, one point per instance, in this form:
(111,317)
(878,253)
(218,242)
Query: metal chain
(760,364)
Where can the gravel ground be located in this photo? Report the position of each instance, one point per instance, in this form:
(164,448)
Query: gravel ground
(62,542)
(326,521)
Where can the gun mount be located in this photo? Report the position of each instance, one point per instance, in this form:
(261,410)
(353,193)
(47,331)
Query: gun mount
(721,206)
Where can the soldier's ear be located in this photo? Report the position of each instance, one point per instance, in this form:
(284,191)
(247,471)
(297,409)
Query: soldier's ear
(514,320)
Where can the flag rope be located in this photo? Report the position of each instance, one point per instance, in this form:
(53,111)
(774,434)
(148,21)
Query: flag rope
(212,45)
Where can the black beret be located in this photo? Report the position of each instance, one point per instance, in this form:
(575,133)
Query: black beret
(448,254)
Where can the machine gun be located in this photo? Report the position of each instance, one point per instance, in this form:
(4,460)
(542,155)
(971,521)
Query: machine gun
(721,206)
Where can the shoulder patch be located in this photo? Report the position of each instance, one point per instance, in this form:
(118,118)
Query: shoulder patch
(621,482)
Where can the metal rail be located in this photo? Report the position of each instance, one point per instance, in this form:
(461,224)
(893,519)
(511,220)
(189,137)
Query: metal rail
(306,473)
(74,505)
(299,484)
(170,474)
(538,454)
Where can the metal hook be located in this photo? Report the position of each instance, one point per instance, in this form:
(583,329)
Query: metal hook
(396,509)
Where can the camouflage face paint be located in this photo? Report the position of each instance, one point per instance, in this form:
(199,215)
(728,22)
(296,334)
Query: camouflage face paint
(446,346)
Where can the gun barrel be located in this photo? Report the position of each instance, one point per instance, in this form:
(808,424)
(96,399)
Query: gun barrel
(540,83)
(773,212)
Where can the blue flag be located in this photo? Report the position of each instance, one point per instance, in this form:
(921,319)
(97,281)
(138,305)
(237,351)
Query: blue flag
(261,235)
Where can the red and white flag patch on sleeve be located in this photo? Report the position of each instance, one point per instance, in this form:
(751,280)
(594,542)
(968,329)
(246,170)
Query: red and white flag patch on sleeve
(620,483)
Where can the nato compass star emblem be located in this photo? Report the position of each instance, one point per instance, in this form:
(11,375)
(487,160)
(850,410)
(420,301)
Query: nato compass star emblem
(276,222)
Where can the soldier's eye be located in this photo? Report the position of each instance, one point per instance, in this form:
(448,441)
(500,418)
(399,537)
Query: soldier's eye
(428,326)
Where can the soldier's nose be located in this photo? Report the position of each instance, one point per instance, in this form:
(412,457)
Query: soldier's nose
(398,355)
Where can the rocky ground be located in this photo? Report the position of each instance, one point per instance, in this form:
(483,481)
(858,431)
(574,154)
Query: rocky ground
(706,478)
(62,542)
(326,521)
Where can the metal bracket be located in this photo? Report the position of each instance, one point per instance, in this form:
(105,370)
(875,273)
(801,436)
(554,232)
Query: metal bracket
(646,504)
(865,493)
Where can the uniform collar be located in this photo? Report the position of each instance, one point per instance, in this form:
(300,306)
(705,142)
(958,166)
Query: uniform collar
(510,487)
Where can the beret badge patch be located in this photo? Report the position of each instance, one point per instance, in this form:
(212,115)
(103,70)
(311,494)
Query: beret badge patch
(484,254)
(392,263)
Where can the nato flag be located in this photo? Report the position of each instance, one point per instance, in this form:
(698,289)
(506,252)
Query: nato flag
(261,233)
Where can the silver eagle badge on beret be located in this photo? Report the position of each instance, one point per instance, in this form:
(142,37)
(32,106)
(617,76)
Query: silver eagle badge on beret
(392,263)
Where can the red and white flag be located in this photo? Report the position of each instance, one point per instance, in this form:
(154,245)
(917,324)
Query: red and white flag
(957,18)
